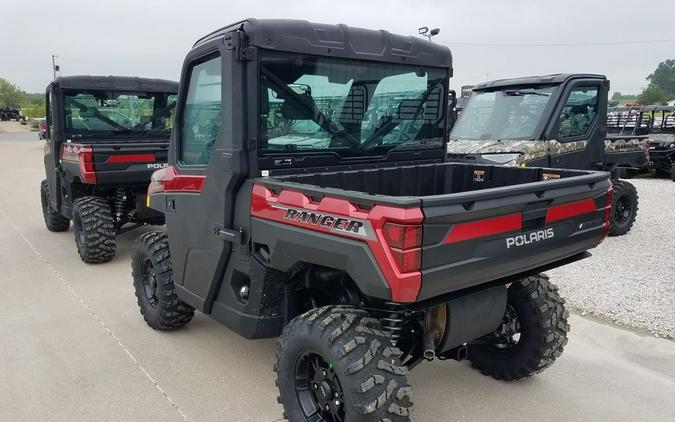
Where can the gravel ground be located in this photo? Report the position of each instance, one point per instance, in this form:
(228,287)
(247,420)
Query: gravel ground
(630,280)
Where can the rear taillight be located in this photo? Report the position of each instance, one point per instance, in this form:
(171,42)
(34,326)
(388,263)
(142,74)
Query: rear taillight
(85,157)
(407,260)
(403,236)
(404,241)
(607,214)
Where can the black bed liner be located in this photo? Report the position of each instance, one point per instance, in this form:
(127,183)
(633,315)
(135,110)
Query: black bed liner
(430,184)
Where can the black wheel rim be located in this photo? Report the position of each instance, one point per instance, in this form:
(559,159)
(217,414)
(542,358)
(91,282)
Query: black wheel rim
(622,209)
(149,278)
(508,334)
(318,389)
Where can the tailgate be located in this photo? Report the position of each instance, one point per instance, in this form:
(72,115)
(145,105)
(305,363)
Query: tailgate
(475,237)
(128,162)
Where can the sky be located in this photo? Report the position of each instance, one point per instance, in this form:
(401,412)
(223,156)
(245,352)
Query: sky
(150,37)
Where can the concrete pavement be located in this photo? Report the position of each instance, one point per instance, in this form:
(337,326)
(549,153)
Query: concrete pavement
(75,347)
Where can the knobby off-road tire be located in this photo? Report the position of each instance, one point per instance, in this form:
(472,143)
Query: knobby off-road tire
(543,330)
(340,353)
(94,229)
(54,221)
(624,208)
(153,283)
(624,173)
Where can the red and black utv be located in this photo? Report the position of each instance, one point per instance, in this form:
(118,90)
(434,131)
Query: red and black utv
(105,136)
(309,196)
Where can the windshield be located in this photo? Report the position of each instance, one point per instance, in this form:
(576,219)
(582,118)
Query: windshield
(508,114)
(118,112)
(351,108)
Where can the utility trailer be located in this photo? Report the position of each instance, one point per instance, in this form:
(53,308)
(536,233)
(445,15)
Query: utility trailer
(353,238)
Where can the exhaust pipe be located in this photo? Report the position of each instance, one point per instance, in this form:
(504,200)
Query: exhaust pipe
(435,326)
(430,345)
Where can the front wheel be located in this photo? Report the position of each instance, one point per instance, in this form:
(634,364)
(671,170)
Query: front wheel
(532,335)
(337,364)
(153,283)
(624,208)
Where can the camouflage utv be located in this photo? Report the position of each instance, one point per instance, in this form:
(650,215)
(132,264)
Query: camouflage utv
(553,121)
(658,123)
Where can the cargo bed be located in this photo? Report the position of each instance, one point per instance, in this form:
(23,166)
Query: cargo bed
(480,223)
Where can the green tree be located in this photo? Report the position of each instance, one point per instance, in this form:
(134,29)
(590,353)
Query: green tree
(664,77)
(616,95)
(10,94)
(653,94)
(33,105)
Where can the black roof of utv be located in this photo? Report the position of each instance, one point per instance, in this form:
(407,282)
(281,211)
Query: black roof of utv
(115,83)
(297,36)
(556,78)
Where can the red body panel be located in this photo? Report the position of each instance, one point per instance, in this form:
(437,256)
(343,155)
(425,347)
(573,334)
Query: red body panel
(84,156)
(168,180)
(573,209)
(131,158)
(404,286)
(483,228)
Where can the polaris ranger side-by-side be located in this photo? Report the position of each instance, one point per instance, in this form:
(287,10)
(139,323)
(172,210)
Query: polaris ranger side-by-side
(658,122)
(308,196)
(105,136)
(555,121)
(11,112)
(662,139)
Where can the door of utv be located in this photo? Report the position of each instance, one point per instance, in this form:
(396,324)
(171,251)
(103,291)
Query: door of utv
(52,148)
(578,130)
(205,152)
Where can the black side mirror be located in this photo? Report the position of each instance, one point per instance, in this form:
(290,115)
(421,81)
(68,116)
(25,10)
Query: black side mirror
(452,99)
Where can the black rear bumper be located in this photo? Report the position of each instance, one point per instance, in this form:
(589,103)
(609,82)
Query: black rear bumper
(490,261)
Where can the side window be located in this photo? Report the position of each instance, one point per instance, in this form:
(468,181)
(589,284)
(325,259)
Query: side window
(201,118)
(579,112)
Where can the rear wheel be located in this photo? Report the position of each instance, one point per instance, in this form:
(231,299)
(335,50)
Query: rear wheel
(337,364)
(624,208)
(94,229)
(532,335)
(624,173)
(54,221)
(153,283)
